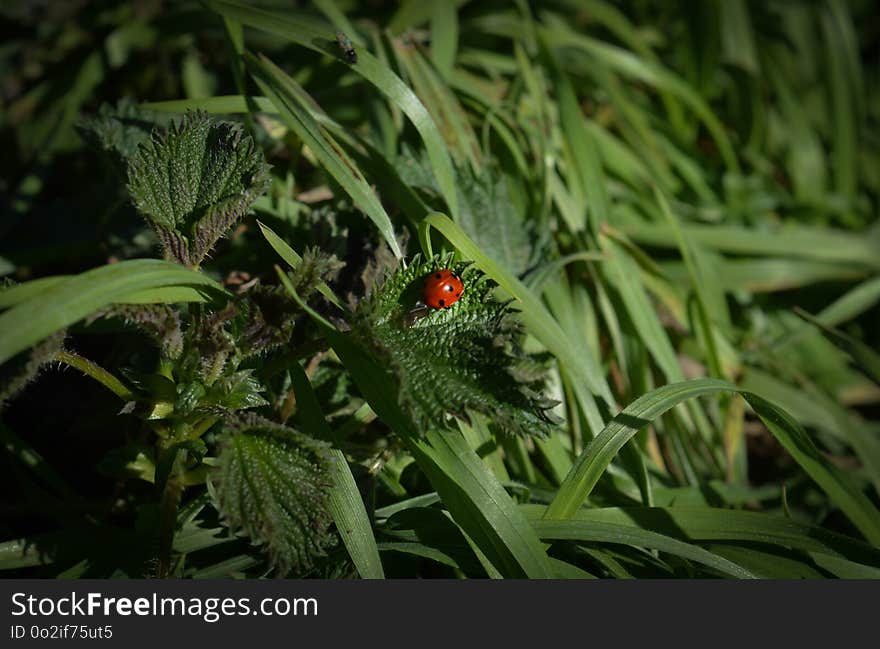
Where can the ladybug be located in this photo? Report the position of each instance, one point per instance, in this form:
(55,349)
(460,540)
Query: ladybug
(442,289)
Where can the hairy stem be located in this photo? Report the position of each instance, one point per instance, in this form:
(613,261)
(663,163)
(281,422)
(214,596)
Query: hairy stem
(95,371)
(168,524)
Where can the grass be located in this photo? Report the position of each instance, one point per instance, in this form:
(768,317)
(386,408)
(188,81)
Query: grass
(679,206)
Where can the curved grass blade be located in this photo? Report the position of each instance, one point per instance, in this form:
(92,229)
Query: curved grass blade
(601,451)
(63,303)
(699,524)
(574,530)
(480,505)
(164,294)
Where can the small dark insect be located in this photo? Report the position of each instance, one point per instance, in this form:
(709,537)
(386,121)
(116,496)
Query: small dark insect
(347,48)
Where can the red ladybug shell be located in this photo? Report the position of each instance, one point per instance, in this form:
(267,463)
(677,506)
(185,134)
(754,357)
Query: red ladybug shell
(442,289)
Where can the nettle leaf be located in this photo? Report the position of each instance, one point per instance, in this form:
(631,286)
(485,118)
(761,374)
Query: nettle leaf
(193,182)
(274,486)
(453,360)
(236,392)
(121,129)
(487,213)
(489,217)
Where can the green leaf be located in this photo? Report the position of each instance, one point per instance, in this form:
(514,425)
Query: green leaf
(273,485)
(238,391)
(194,182)
(65,302)
(464,357)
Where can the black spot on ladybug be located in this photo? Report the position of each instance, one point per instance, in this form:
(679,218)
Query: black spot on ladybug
(437,275)
(442,302)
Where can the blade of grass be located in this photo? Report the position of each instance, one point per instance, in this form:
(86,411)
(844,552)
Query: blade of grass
(698,524)
(286,95)
(598,455)
(346,504)
(444,36)
(64,303)
(573,530)
(801,241)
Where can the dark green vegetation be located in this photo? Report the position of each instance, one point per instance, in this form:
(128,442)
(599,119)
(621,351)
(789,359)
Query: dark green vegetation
(663,365)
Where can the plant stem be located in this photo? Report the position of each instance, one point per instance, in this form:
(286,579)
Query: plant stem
(168,523)
(201,426)
(95,371)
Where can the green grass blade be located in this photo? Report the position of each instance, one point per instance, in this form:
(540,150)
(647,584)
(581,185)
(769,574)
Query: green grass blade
(481,506)
(64,303)
(737,37)
(574,530)
(705,295)
(799,241)
(583,150)
(602,450)
(346,504)
(13,295)
(863,356)
(698,524)
(443,106)
(444,36)
(288,97)
(420,550)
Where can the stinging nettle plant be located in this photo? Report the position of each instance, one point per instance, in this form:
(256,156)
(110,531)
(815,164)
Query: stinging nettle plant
(211,402)
(192,184)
